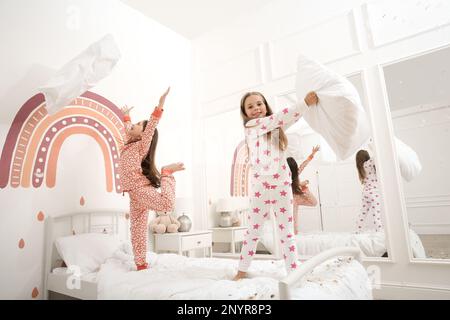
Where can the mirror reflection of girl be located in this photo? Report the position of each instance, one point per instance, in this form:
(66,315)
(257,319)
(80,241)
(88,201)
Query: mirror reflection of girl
(370,217)
(141,179)
(302,195)
(266,143)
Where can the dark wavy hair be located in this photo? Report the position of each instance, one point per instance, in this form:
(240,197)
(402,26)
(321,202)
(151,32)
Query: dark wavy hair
(361,157)
(148,163)
(283,142)
(296,189)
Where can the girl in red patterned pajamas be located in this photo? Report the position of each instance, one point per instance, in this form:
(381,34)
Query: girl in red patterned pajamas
(300,190)
(140,178)
(270,176)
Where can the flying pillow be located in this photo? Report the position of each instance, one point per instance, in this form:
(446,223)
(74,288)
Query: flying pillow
(339,116)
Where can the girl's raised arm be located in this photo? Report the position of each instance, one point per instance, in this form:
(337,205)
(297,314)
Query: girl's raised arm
(147,135)
(127,121)
(283,118)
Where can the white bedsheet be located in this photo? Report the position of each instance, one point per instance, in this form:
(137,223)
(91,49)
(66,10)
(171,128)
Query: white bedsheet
(372,244)
(177,277)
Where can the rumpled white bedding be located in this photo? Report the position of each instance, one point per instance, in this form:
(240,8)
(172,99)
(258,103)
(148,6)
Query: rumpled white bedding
(173,276)
(372,244)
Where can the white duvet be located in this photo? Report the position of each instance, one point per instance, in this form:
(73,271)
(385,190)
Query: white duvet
(173,276)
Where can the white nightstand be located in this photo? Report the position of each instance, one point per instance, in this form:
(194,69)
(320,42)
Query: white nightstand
(184,241)
(231,235)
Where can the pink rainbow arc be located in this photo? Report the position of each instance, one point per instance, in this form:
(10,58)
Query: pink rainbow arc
(239,171)
(35,138)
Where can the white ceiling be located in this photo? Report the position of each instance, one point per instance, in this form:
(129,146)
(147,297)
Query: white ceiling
(192,18)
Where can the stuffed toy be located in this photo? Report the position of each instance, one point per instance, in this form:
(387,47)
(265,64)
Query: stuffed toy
(164,222)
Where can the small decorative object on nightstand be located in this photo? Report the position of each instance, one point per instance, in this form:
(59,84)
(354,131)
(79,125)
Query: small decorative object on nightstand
(181,242)
(183,205)
(228,207)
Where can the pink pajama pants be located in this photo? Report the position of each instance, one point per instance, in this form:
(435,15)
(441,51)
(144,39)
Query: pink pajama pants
(142,200)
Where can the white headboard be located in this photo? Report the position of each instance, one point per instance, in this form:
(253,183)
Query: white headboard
(98,221)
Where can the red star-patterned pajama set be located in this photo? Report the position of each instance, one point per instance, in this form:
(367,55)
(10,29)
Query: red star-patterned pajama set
(370,217)
(271,184)
(143,196)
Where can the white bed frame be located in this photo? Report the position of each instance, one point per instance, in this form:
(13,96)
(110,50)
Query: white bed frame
(68,224)
(83,222)
(287,283)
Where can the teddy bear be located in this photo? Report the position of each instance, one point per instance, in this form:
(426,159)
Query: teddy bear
(164,222)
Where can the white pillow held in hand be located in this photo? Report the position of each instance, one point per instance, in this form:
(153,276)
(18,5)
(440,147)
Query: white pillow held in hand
(339,116)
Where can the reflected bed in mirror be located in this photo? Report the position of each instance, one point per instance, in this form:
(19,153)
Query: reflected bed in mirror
(419,98)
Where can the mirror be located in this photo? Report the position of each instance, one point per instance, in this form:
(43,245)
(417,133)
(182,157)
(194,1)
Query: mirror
(418,90)
(330,212)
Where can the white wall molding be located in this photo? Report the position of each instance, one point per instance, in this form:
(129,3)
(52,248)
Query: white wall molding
(283,52)
(390,21)
(428,201)
(239,73)
(414,110)
(409,291)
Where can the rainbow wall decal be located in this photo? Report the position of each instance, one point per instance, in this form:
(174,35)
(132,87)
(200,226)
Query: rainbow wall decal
(239,171)
(30,154)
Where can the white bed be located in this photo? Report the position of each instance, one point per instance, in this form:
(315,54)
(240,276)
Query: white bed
(334,274)
(372,244)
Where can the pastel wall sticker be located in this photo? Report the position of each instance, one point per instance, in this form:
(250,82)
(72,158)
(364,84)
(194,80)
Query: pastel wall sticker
(30,154)
(21,244)
(239,171)
(82,201)
(40,216)
(35,293)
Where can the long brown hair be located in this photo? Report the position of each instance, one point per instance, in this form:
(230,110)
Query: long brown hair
(296,189)
(283,138)
(361,157)
(148,163)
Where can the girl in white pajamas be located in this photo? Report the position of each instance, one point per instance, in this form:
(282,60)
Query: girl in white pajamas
(370,217)
(270,175)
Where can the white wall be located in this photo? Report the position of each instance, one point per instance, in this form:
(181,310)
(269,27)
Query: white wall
(419,95)
(258,53)
(39,37)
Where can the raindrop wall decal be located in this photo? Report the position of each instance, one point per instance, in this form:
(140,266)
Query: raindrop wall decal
(40,216)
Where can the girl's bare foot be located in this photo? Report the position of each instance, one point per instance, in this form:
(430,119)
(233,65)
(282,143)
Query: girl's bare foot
(240,275)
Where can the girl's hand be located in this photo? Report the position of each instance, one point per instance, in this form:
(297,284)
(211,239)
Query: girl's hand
(304,183)
(315,149)
(174,167)
(126,110)
(311,99)
(163,99)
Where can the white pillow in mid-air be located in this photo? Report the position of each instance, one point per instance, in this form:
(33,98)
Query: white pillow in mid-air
(80,74)
(339,116)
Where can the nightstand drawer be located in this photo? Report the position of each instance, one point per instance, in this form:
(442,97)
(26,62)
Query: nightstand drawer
(196,241)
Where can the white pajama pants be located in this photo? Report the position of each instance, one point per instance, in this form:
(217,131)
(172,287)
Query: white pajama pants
(267,197)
